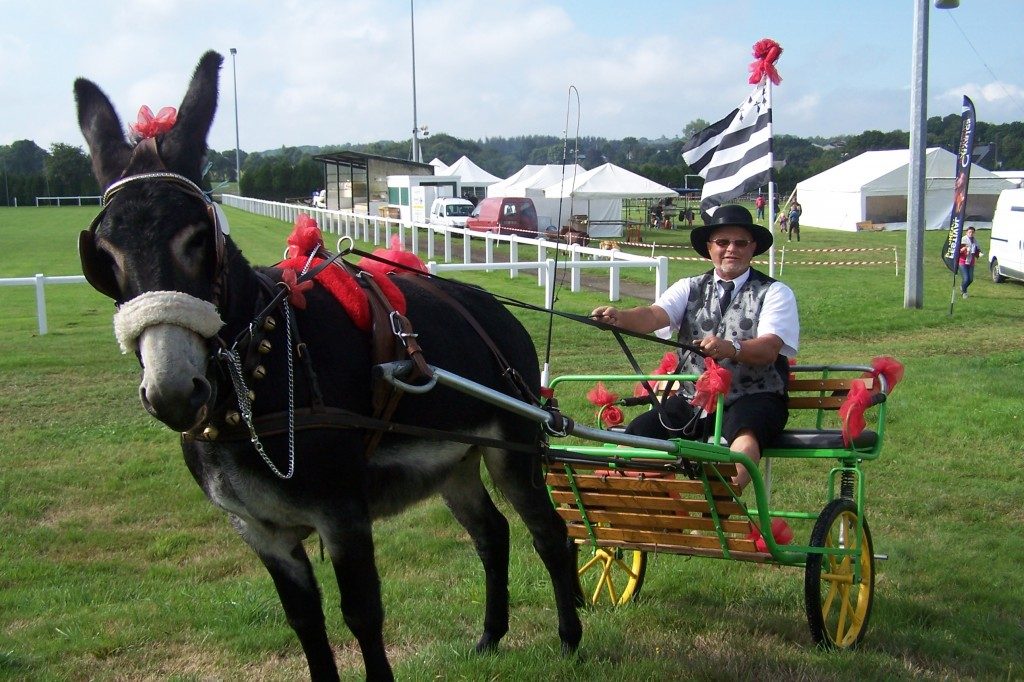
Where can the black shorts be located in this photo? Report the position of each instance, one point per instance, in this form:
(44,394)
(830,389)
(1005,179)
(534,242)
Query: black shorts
(765,414)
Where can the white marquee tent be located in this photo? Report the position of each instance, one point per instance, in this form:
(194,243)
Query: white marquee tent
(475,180)
(602,190)
(872,187)
(440,168)
(531,182)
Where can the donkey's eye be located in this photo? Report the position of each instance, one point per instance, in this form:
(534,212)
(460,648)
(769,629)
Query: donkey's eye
(196,242)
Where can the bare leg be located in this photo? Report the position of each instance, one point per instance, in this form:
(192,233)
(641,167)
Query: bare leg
(746,443)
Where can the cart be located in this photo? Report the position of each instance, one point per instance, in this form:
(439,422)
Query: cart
(621,503)
(624,496)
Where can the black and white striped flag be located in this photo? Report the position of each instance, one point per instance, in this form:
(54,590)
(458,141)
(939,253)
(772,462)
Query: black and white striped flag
(735,154)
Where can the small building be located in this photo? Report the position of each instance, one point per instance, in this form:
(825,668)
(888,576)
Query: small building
(358,182)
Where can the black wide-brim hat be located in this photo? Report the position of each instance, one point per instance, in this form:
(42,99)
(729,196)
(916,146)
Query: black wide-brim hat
(730,215)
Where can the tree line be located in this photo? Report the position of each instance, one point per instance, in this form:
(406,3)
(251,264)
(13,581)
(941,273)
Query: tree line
(290,172)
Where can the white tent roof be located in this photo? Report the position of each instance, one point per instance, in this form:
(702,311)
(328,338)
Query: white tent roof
(842,196)
(470,173)
(440,168)
(500,188)
(551,174)
(609,181)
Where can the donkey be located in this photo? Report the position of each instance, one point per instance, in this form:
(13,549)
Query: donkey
(161,249)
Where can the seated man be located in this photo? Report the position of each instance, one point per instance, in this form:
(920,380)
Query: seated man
(743,319)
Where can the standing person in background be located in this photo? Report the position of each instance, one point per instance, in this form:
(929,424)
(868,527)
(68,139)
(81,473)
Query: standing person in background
(970,252)
(794,220)
(759,204)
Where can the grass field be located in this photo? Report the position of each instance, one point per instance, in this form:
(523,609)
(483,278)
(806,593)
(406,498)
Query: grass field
(113,566)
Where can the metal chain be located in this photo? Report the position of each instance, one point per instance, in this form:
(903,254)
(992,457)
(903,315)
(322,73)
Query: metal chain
(245,405)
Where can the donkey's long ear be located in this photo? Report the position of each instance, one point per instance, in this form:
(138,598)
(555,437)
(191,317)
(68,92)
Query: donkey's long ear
(103,133)
(183,147)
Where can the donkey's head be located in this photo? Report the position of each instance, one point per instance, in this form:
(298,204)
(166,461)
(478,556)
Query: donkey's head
(157,247)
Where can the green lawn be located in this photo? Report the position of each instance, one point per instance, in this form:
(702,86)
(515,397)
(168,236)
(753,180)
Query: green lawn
(113,565)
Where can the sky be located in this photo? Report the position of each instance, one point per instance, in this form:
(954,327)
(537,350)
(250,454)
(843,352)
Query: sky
(323,72)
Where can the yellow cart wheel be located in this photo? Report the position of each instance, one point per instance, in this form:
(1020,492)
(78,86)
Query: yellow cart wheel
(839,590)
(610,576)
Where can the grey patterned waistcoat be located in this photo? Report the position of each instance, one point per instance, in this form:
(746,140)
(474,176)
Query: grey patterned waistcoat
(702,318)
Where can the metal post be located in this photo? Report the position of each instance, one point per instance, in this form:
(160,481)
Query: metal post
(238,154)
(913,294)
(416,155)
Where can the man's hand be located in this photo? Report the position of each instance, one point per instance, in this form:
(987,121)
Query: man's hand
(716,348)
(606,313)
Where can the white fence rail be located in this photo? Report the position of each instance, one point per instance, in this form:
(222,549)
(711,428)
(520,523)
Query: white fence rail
(39,281)
(68,201)
(379,231)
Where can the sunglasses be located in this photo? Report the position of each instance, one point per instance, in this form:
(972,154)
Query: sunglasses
(724,243)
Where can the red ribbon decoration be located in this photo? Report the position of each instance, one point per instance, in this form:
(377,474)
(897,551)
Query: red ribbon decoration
(851,412)
(781,533)
(668,364)
(603,398)
(766,53)
(715,381)
(888,367)
(149,125)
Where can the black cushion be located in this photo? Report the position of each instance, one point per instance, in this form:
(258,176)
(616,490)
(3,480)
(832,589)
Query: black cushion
(818,439)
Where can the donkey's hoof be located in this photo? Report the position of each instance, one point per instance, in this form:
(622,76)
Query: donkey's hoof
(487,644)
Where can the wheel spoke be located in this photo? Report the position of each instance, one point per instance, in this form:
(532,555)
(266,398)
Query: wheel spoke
(627,568)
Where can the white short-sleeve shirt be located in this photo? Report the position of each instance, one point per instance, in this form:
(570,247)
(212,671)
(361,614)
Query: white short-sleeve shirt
(778,316)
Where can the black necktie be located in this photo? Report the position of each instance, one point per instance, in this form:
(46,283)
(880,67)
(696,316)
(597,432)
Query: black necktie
(726,296)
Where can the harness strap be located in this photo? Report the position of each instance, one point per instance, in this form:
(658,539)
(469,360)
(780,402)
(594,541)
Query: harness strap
(276,424)
(507,370)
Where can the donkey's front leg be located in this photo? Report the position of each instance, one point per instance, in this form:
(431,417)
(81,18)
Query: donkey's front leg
(288,564)
(350,543)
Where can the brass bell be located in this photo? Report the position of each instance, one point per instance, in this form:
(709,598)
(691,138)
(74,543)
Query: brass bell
(269,324)
(211,432)
(259,372)
(264,346)
(251,395)
(233,418)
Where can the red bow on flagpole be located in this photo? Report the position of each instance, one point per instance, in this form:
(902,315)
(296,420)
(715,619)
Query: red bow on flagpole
(766,53)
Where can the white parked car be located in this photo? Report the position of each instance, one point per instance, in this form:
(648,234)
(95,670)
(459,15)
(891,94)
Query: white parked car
(449,212)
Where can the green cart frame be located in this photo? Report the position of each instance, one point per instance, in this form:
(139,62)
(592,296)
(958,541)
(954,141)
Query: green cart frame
(621,502)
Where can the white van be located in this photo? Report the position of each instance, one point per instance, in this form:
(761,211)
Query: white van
(449,212)
(1006,249)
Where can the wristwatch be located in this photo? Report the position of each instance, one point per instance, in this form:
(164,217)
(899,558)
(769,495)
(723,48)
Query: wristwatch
(736,345)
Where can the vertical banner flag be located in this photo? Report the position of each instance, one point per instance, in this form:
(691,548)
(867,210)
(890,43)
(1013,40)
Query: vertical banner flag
(951,248)
(734,155)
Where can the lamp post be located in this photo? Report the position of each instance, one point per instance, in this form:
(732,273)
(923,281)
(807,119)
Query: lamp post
(238,154)
(913,296)
(416,155)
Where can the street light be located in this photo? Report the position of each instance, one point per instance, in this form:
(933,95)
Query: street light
(913,296)
(416,155)
(238,156)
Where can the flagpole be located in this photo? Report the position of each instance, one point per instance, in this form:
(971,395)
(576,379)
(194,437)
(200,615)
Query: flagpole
(771,175)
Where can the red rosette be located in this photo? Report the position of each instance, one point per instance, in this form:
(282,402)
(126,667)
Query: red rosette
(610,416)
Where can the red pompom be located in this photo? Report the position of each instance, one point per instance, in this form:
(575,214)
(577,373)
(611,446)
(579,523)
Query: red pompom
(599,395)
(851,412)
(890,368)
(781,533)
(305,237)
(395,254)
(715,381)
